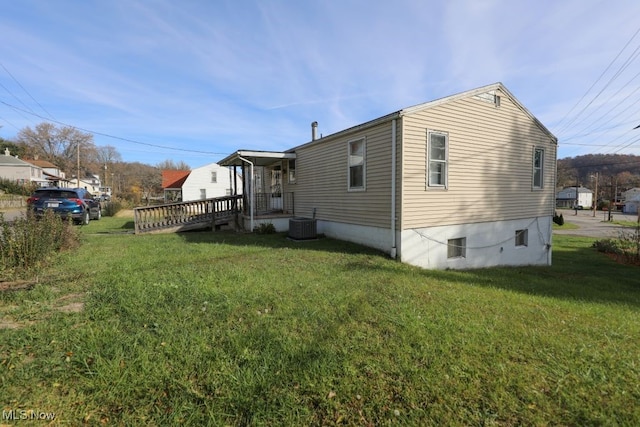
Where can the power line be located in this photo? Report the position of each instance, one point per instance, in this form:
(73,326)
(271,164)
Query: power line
(566,126)
(25,91)
(111,136)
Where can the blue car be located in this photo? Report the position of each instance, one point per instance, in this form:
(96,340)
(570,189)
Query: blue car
(75,203)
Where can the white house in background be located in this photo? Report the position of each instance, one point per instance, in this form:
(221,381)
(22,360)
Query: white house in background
(631,201)
(52,173)
(566,198)
(205,182)
(17,170)
(630,194)
(90,183)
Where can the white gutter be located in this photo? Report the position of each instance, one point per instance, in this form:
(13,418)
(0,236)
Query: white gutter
(251,192)
(393,189)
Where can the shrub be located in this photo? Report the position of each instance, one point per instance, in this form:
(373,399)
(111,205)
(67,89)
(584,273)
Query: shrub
(111,207)
(29,241)
(558,219)
(12,187)
(265,228)
(608,246)
(627,245)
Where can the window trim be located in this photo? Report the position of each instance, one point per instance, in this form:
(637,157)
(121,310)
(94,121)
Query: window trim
(540,185)
(362,139)
(214,177)
(429,185)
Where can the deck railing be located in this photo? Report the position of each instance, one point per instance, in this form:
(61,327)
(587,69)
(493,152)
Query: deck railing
(185,216)
(266,203)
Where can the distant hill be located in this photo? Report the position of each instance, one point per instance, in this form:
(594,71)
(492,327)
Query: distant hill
(611,168)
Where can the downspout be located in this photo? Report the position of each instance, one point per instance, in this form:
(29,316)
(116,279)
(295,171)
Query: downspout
(555,182)
(251,192)
(393,252)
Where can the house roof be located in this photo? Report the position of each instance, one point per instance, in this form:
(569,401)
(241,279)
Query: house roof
(264,158)
(41,163)
(12,161)
(258,158)
(436,103)
(174,178)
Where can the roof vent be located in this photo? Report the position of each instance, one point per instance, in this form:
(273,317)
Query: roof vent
(314,131)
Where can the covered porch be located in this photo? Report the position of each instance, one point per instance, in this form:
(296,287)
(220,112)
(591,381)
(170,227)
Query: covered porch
(266,178)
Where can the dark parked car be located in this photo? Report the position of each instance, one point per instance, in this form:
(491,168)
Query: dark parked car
(75,203)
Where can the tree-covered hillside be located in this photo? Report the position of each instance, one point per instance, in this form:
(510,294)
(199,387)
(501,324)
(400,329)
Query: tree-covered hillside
(622,170)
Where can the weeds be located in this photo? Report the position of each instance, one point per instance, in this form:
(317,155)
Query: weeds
(265,228)
(626,246)
(28,241)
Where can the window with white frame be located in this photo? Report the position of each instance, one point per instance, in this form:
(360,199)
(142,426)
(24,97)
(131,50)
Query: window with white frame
(357,164)
(522,237)
(538,167)
(437,157)
(203,193)
(214,176)
(457,248)
(292,171)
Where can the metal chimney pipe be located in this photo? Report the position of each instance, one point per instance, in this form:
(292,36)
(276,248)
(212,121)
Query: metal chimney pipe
(314,131)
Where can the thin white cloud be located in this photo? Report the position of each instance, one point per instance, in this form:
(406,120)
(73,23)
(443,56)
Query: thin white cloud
(224,75)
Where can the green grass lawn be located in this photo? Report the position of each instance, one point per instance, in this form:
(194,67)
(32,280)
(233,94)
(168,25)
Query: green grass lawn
(234,329)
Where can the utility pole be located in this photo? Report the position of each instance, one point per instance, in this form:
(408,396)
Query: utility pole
(78,159)
(595,198)
(611,201)
(575,206)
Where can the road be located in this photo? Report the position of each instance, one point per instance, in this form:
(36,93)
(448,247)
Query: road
(12,213)
(591,226)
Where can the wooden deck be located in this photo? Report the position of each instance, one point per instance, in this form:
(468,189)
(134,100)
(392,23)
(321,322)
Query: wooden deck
(185,216)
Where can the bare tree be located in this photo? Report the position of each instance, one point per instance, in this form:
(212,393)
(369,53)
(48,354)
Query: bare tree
(106,156)
(172,165)
(60,146)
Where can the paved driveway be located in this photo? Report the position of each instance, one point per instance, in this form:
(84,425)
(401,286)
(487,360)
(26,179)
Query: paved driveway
(591,226)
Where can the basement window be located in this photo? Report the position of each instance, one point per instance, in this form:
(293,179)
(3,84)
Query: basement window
(522,237)
(457,248)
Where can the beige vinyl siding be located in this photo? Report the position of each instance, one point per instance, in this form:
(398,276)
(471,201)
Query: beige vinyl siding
(490,165)
(322,173)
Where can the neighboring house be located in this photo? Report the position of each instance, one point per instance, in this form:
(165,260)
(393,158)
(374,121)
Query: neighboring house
(566,198)
(632,204)
(205,182)
(52,173)
(17,170)
(90,183)
(172,181)
(630,194)
(464,181)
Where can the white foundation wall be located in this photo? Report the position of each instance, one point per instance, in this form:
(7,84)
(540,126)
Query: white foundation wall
(280,224)
(374,237)
(487,244)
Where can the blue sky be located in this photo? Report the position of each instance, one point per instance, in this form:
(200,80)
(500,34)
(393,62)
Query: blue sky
(206,78)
